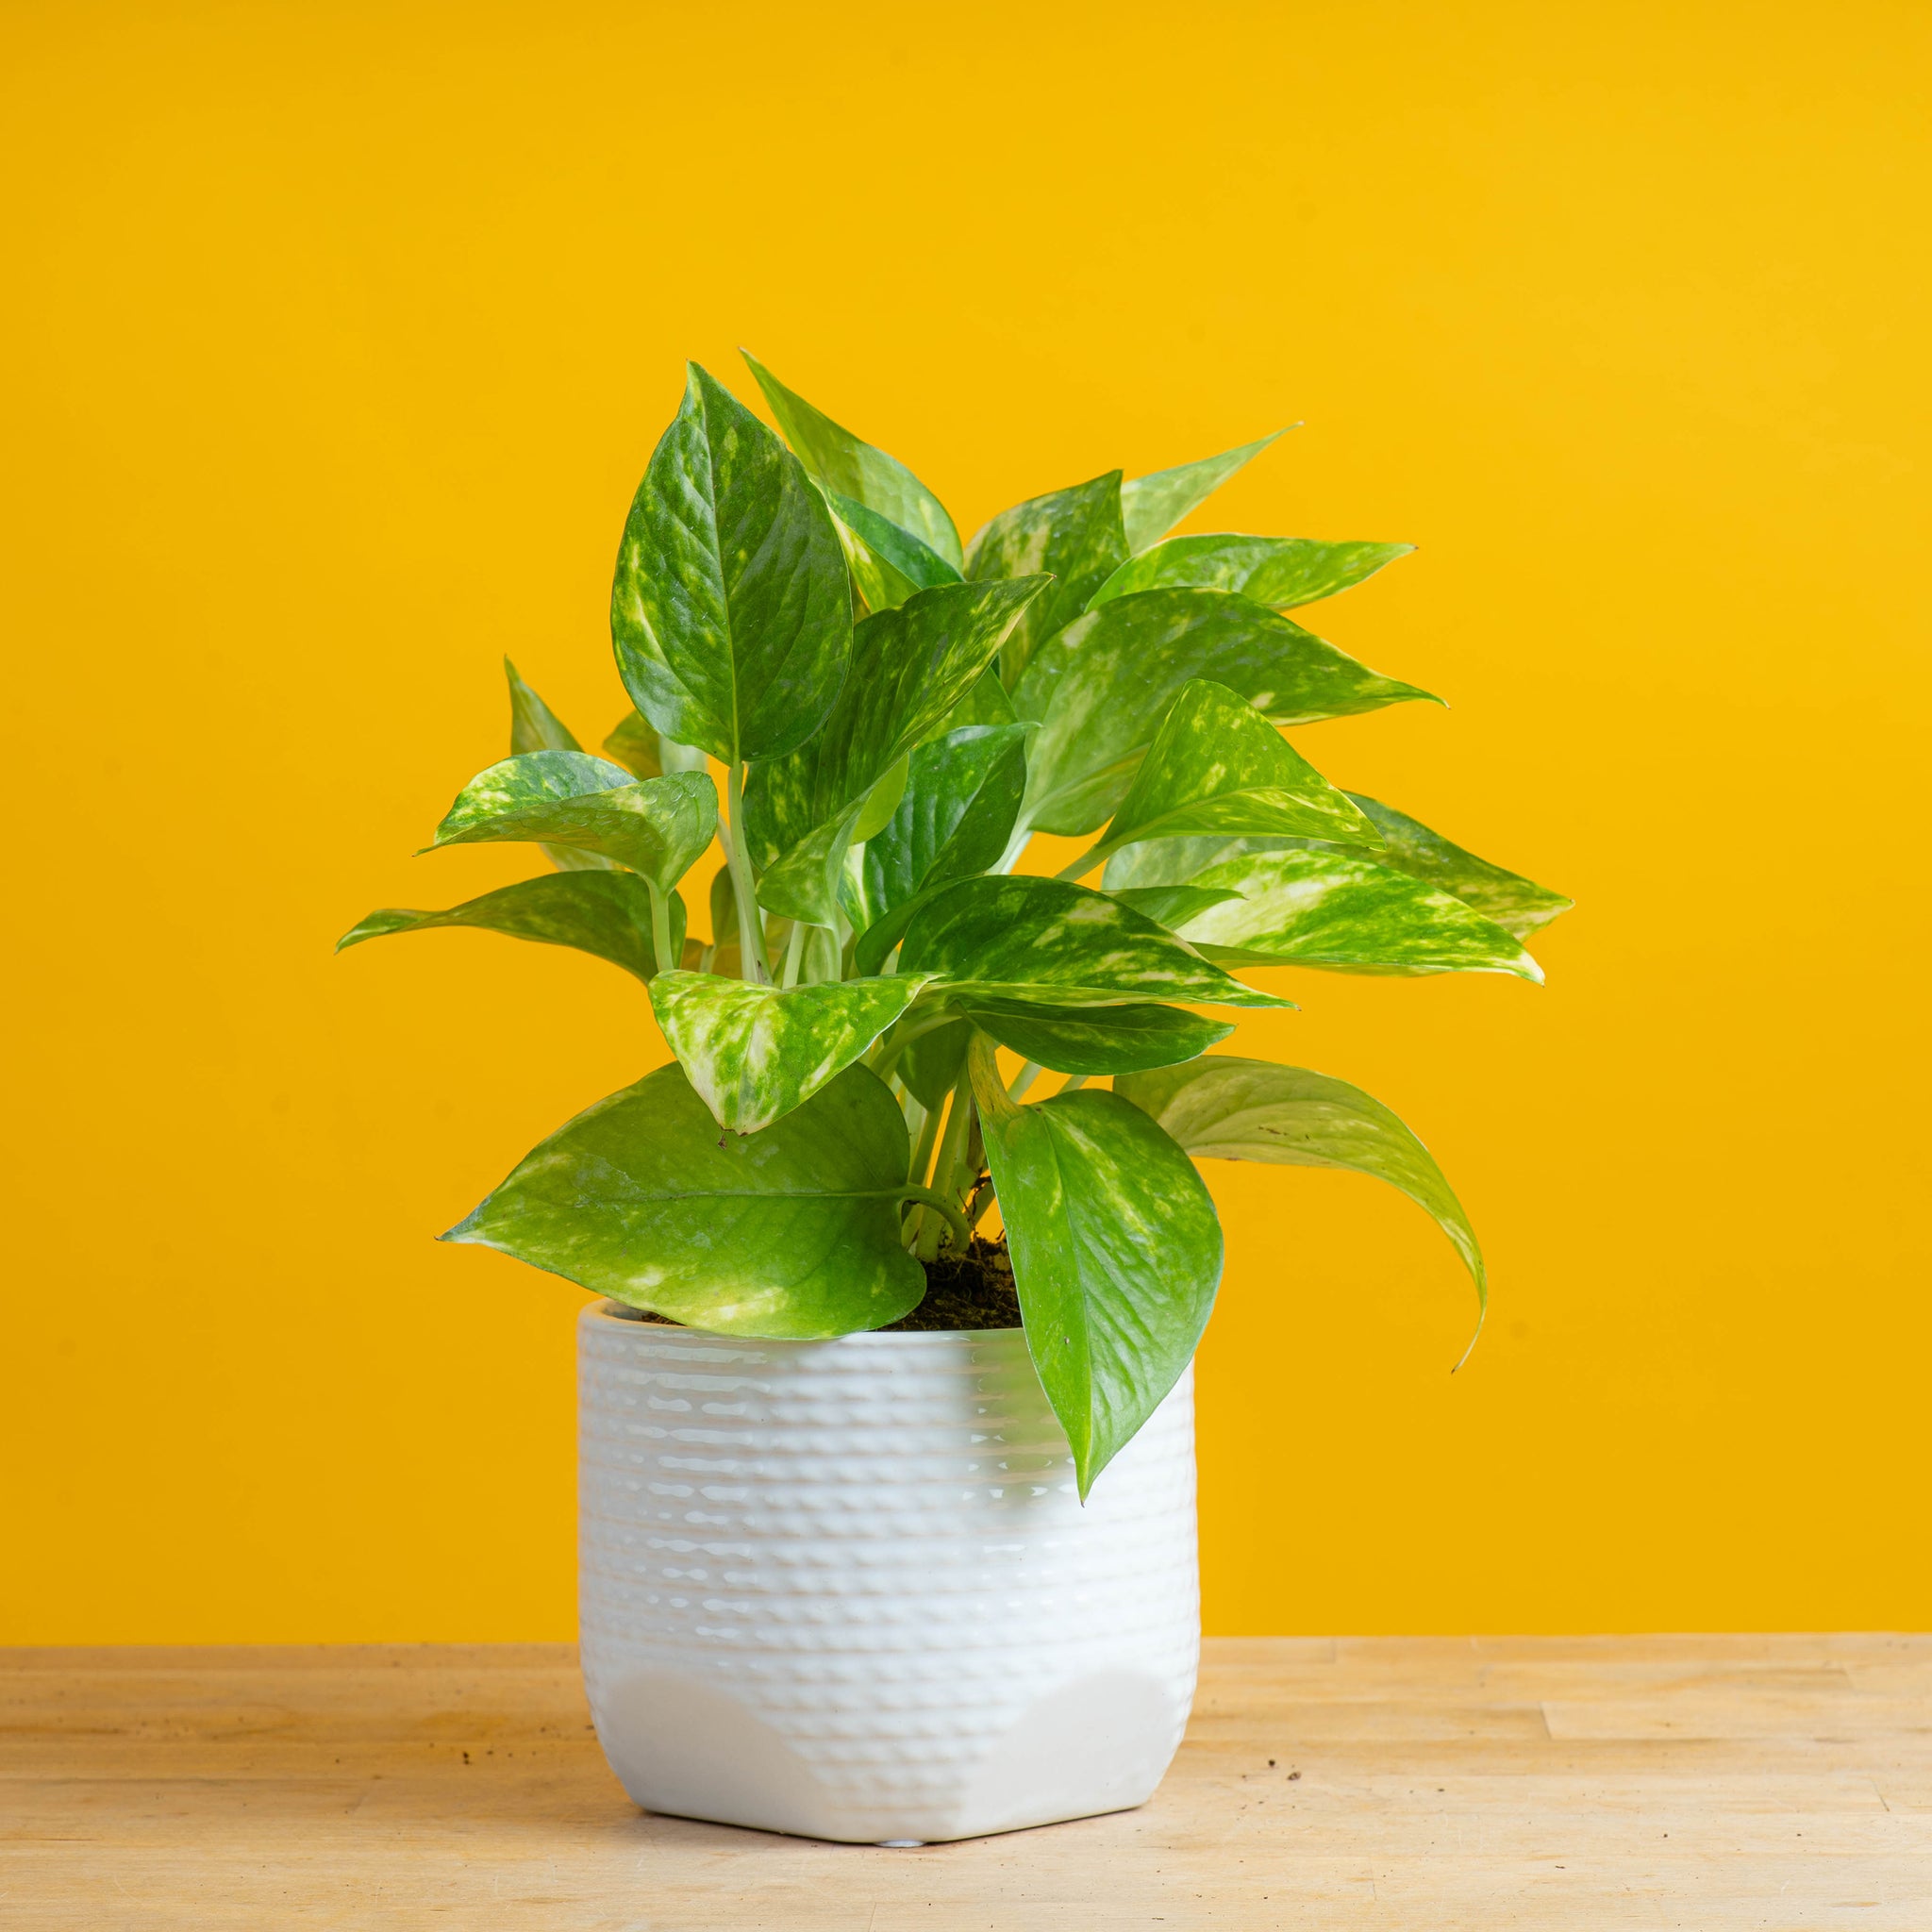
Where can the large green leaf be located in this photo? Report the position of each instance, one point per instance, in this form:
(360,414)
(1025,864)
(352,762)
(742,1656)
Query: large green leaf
(929,1065)
(1152,505)
(791,1232)
(657,828)
(1097,1039)
(1103,686)
(608,913)
(1116,1255)
(1027,937)
(1336,910)
(1217,765)
(889,563)
(842,464)
(910,666)
(755,1052)
(953,818)
(987,703)
(1076,534)
(534,726)
(1516,903)
(1283,572)
(1226,1109)
(731,609)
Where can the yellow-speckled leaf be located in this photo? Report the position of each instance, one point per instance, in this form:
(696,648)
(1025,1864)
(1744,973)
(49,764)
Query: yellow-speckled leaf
(841,463)
(606,914)
(1217,765)
(1101,689)
(534,726)
(1074,535)
(1096,1040)
(1116,1255)
(657,828)
(755,1052)
(889,563)
(1316,907)
(1282,572)
(791,1232)
(1152,505)
(1226,1109)
(730,610)
(1042,939)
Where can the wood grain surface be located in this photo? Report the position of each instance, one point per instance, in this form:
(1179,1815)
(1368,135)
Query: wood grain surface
(1707,1783)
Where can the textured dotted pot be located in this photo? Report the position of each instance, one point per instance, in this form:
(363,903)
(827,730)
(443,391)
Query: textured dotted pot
(847,1589)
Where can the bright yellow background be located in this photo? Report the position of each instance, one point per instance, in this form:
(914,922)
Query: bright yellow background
(338,338)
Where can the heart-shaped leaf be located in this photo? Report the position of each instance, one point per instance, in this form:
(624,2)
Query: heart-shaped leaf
(1226,1109)
(910,666)
(1217,765)
(1282,572)
(657,828)
(840,462)
(1334,909)
(1072,533)
(1096,1040)
(731,611)
(1027,937)
(791,1232)
(755,1052)
(953,818)
(1152,505)
(606,914)
(1102,688)
(1116,1255)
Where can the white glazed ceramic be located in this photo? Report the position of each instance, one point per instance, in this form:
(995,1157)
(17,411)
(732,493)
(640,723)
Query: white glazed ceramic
(847,1589)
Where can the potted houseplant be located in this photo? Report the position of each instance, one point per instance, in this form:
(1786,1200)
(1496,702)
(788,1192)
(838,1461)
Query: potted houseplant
(888,1519)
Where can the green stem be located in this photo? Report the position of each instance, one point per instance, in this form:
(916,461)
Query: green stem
(947,1180)
(922,1152)
(901,1037)
(751,937)
(1023,1079)
(1093,856)
(1073,1083)
(953,1219)
(795,952)
(660,928)
(983,1198)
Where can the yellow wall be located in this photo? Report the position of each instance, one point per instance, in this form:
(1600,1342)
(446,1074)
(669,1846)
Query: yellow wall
(339,336)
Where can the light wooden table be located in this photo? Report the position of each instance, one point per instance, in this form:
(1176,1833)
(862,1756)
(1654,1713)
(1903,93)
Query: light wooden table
(1434,1784)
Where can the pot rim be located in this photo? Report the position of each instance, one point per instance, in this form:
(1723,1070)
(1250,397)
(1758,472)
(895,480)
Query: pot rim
(605,1310)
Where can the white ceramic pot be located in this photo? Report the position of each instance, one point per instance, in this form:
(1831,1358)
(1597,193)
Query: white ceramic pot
(847,1589)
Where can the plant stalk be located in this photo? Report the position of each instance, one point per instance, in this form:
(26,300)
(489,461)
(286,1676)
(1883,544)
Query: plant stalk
(1023,1079)
(795,952)
(660,929)
(1080,867)
(947,1179)
(751,937)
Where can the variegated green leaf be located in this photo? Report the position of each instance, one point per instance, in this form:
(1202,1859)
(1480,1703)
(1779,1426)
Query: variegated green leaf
(1217,765)
(987,703)
(1334,910)
(929,1065)
(534,726)
(962,794)
(1027,937)
(606,914)
(911,667)
(1283,572)
(842,464)
(1518,905)
(1152,505)
(1073,534)
(1238,1110)
(1169,906)
(657,828)
(1116,1255)
(731,611)
(1103,686)
(890,563)
(754,1053)
(1096,1040)
(791,1232)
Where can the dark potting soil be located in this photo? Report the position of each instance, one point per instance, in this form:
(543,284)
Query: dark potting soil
(975,1291)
